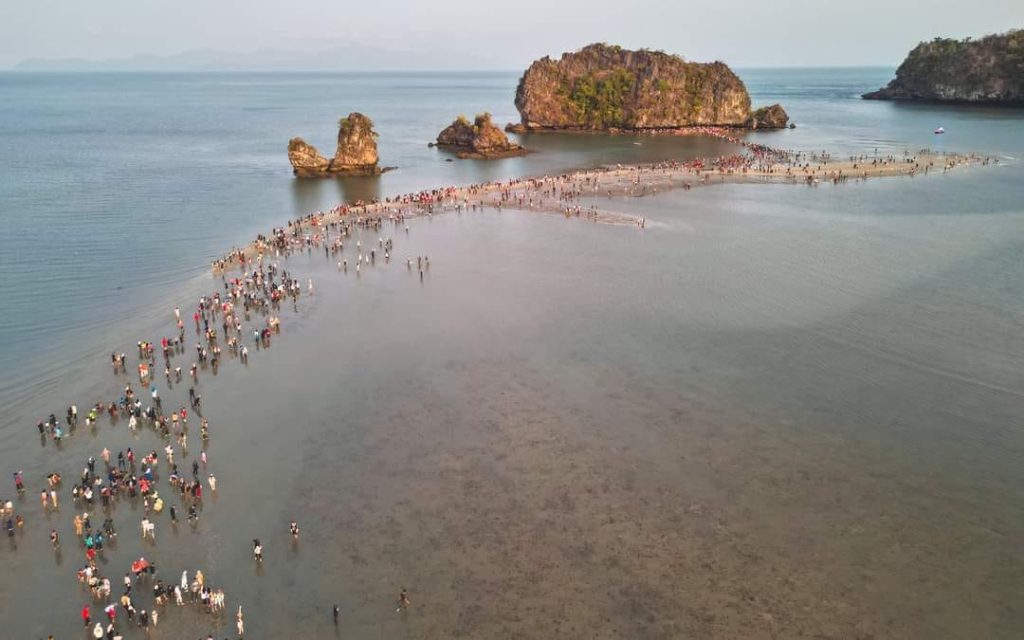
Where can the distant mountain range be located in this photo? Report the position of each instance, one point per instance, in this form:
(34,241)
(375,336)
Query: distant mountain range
(349,58)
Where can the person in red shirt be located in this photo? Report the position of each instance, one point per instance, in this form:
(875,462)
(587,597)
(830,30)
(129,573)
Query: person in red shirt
(85,615)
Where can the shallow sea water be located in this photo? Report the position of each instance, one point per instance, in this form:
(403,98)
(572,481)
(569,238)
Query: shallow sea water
(777,412)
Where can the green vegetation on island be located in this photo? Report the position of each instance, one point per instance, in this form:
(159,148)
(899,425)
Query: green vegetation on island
(985,71)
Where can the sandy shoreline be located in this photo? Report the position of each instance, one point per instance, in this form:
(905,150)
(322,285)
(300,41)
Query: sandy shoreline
(561,194)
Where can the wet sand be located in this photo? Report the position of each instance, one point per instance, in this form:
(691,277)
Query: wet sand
(568,480)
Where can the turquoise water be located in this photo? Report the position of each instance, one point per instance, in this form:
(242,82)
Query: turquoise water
(776,412)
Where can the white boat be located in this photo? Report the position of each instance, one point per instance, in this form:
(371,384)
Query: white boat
(939,131)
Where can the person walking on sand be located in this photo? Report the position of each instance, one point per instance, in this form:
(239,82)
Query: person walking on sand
(148,529)
(86,618)
(239,623)
(403,600)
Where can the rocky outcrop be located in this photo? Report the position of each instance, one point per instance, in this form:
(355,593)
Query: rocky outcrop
(605,87)
(305,159)
(357,144)
(356,153)
(773,117)
(479,139)
(986,71)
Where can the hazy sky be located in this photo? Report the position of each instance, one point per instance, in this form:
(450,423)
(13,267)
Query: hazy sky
(739,32)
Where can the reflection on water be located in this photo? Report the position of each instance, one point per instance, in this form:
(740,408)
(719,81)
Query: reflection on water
(307,194)
(318,194)
(353,189)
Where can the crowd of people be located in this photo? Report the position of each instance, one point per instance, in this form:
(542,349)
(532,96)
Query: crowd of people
(168,482)
(245,311)
(564,193)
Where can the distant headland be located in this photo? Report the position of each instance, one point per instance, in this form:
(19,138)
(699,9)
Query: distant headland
(987,71)
(605,87)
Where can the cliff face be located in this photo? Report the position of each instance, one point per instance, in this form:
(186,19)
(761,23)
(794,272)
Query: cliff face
(479,139)
(986,71)
(356,153)
(603,87)
(357,144)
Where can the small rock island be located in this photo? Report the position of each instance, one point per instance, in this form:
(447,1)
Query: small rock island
(604,87)
(356,154)
(988,71)
(479,139)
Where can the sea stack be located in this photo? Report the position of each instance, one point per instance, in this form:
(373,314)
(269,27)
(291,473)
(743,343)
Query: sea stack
(987,71)
(356,153)
(479,139)
(773,117)
(604,87)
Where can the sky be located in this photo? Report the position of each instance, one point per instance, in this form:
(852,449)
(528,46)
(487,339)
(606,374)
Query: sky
(743,33)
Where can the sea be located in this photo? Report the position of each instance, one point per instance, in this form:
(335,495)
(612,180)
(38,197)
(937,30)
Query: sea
(777,411)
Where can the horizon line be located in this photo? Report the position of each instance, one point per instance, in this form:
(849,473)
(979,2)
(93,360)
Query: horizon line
(15,70)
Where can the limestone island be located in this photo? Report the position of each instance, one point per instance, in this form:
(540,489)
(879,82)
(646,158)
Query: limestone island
(479,139)
(604,87)
(989,71)
(356,154)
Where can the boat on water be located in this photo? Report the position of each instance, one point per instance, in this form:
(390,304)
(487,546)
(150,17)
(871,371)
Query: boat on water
(939,131)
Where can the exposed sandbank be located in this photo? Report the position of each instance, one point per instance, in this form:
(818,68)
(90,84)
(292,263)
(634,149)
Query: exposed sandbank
(560,194)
